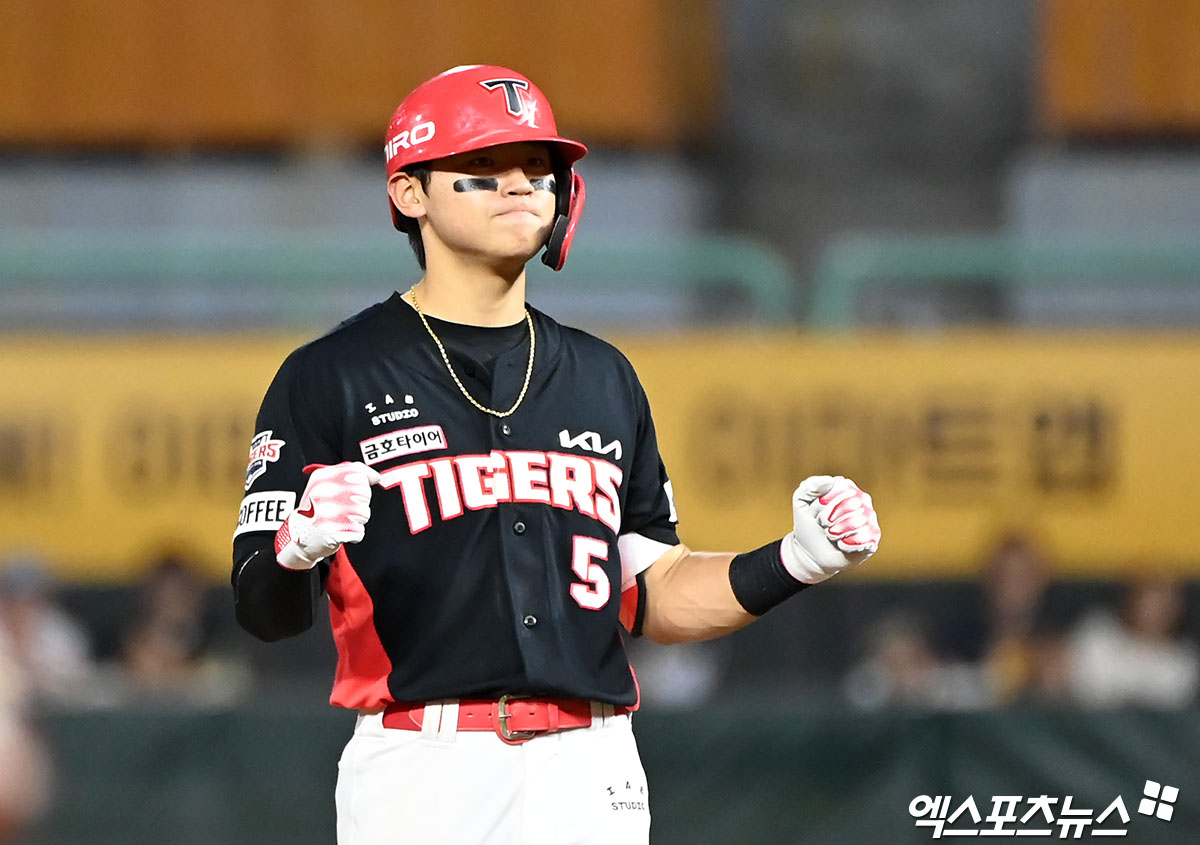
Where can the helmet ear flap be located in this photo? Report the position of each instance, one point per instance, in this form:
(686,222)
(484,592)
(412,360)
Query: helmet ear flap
(569,207)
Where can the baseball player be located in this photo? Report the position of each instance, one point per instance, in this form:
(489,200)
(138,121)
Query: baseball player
(478,491)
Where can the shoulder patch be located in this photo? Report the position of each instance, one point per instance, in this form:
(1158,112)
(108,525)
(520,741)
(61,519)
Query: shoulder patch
(263,451)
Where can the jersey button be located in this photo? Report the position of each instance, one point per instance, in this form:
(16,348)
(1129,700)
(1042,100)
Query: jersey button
(518,527)
(529,621)
(506,429)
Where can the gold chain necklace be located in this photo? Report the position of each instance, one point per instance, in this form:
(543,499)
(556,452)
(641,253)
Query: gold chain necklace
(528,370)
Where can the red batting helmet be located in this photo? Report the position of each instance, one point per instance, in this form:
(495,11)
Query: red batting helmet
(476,106)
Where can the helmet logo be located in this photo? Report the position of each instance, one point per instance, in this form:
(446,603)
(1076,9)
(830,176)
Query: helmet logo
(406,138)
(517,107)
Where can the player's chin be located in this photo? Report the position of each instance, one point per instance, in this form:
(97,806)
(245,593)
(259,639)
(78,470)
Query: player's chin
(523,224)
(508,257)
(525,243)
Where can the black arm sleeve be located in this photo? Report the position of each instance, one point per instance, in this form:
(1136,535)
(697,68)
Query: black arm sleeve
(272,602)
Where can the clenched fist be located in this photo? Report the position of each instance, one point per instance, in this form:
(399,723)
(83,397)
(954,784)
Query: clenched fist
(834,528)
(333,510)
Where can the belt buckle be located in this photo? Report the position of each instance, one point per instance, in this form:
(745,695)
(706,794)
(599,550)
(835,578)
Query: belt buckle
(511,737)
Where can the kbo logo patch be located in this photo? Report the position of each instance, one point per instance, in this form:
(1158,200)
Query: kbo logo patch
(263,451)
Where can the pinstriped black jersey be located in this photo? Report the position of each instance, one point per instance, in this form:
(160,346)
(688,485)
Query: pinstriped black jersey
(490,563)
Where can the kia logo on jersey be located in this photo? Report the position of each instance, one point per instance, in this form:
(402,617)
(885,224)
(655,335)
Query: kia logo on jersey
(589,441)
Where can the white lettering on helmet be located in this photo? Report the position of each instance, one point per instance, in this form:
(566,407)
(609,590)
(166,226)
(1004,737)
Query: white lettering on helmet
(406,138)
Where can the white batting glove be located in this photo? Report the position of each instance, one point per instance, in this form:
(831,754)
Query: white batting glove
(835,528)
(333,510)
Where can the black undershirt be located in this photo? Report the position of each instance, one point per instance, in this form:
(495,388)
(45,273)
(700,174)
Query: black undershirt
(474,349)
(481,344)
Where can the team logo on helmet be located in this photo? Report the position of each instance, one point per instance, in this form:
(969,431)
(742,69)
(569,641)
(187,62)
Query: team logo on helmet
(516,105)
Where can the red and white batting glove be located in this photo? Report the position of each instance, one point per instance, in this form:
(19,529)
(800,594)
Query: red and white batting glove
(835,528)
(333,510)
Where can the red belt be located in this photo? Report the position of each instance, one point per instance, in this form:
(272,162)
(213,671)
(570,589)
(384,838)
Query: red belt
(515,719)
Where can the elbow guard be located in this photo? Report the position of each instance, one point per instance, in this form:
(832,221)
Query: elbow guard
(272,602)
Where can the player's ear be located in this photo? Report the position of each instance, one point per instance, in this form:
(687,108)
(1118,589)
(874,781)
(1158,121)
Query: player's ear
(408,195)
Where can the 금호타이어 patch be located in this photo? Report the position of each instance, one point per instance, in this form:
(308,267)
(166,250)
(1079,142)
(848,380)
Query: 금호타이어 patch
(406,441)
(263,451)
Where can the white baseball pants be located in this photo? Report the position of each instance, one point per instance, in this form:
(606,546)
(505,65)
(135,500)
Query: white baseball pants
(442,786)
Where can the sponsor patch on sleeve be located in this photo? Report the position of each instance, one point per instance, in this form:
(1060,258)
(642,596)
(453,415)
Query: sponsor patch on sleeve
(406,441)
(263,451)
(265,511)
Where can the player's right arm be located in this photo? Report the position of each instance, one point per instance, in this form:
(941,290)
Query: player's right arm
(699,595)
(672,594)
(277,588)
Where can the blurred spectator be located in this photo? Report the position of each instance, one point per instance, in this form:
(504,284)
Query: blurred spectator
(901,669)
(1047,670)
(166,653)
(1137,656)
(24,767)
(1019,638)
(50,647)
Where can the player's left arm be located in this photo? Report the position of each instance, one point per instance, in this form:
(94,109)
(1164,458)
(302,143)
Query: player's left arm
(673,594)
(689,595)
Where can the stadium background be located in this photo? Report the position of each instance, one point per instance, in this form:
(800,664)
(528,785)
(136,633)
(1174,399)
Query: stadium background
(986,210)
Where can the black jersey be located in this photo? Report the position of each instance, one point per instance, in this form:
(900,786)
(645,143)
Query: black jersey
(490,563)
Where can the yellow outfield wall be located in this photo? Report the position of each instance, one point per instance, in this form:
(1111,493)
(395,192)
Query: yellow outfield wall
(114,447)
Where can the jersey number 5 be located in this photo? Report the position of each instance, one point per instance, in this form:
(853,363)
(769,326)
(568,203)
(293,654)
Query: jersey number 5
(595,590)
